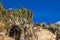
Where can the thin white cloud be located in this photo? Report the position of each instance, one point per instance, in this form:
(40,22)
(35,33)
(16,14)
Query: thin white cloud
(57,22)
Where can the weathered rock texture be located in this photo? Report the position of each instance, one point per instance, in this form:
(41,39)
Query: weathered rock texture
(44,34)
(5,37)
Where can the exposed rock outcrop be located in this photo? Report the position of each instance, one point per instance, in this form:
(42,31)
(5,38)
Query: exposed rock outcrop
(44,34)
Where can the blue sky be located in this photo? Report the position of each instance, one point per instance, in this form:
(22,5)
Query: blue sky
(44,10)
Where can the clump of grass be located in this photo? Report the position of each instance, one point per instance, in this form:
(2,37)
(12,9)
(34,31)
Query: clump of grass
(1,28)
(7,28)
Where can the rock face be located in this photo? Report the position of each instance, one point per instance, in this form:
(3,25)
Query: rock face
(5,37)
(44,34)
(40,34)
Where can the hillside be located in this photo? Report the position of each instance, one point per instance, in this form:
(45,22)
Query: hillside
(18,24)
